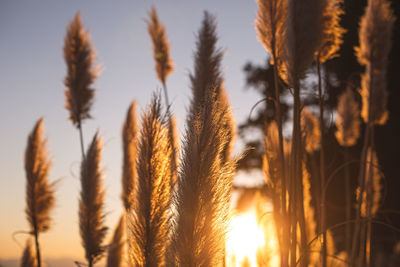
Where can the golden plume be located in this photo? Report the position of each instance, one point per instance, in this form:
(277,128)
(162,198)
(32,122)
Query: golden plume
(270,22)
(91,215)
(130,134)
(39,192)
(164,64)
(149,224)
(375,42)
(332,32)
(116,249)
(207,79)
(371,200)
(203,193)
(28,257)
(310,130)
(79,56)
(348,120)
(304,34)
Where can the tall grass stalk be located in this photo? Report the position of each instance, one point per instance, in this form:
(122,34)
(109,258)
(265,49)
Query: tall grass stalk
(271,17)
(330,45)
(79,57)
(375,41)
(40,198)
(164,66)
(347,134)
(204,184)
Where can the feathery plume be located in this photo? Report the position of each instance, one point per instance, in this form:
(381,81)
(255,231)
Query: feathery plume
(91,215)
(376,93)
(203,194)
(332,32)
(39,193)
(205,181)
(164,64)
(79,56)
(270,22)
(207,78)
(371,199)
(375,42)
(28,257)
(130,134)
(348,121)
(304,34)
(116,250)
(310,130)
(150,223)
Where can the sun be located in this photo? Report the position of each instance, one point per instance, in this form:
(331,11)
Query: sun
(244,238)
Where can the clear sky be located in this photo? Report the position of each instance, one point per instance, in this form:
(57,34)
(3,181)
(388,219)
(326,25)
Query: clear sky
(32,69)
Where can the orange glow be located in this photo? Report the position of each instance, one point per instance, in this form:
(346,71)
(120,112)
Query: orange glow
(247,239)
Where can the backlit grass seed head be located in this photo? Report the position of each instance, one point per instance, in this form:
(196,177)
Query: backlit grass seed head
(348,119)
(79,56)
(40,198)
(375,42)
(304,34)
(116,249)
(28,256)
(158,35)
(270,22)
(130,133)
(91,214)
(310,130)
(149,224)
(333,32)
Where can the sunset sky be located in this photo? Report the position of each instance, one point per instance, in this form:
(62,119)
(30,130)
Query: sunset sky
(31,85)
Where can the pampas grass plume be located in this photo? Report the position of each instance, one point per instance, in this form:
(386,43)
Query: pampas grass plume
(332,32)
(204,184)
(310,130)
(91,215)
(271,18)
(149,223)
(164,64)
(28,257)
(79,56)
(375,42)
(304,34)
(116,249)
(39,192)
(130,132)
(348,119)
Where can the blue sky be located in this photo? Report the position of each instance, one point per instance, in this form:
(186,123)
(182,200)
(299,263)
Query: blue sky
(32,70)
